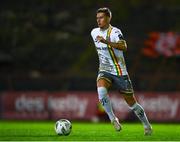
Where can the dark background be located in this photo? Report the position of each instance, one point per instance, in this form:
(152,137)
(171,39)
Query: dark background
(46,44)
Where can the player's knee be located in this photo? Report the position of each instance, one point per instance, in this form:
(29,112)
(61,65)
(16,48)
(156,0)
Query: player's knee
(102,92)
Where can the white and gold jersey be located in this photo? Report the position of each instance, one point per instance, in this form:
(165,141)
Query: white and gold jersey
(111,60)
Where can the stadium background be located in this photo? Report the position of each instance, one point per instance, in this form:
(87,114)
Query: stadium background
(48,63)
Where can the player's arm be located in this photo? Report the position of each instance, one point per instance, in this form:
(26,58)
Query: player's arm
(121,44)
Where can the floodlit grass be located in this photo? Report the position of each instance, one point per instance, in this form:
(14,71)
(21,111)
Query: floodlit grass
(44,131)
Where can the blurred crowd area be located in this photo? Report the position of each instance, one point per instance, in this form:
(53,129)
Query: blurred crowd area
(46,44)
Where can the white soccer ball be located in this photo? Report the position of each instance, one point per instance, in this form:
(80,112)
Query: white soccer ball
(63,127)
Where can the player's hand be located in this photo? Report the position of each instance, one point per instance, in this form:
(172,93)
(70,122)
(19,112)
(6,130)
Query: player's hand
(101,39)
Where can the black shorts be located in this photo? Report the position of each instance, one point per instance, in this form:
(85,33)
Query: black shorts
(123,83)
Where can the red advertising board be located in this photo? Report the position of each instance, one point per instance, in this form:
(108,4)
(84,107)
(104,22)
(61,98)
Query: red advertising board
(24,105)
(74,105)
(161,106)
(84,105)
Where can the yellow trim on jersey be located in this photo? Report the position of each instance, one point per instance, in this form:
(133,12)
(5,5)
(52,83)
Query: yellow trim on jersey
(112,54)
(130,92)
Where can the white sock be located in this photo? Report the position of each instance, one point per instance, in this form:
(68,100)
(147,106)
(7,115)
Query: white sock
(105,101)
(139,111)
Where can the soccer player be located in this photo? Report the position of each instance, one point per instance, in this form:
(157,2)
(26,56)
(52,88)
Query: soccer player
(110,45)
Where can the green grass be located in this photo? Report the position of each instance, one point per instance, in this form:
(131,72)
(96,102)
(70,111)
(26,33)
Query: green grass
(44,131)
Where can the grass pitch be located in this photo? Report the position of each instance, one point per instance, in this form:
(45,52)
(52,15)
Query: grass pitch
(44,131)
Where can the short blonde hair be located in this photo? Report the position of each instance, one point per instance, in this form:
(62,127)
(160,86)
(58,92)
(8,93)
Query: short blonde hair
(105,10)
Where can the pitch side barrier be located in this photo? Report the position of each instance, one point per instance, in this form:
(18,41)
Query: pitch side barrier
(160,107)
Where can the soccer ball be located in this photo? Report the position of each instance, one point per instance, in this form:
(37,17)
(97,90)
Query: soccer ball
(63,127)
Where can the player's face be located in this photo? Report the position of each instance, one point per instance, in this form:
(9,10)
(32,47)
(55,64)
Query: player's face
(102,20)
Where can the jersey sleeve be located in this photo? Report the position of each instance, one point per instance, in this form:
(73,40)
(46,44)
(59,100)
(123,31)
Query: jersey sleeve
(92,33)
(117,35)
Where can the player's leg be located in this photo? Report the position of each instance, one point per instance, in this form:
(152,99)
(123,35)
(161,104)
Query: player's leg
(102,89)
(139,111)
(125,88)
(103,85)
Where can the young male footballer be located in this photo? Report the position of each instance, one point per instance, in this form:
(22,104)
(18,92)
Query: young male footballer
(110,45)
